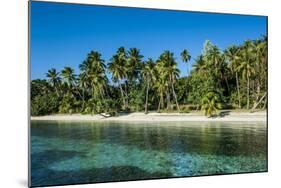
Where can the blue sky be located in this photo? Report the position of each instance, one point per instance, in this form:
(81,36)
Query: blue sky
(63,34)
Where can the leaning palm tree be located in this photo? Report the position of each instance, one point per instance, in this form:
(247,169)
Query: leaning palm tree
(232,55)
(260,64)
(210,104)
(54,79)
(148,73)
(185,56)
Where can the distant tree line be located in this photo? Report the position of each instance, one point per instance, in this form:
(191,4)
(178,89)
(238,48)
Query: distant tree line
(232,78)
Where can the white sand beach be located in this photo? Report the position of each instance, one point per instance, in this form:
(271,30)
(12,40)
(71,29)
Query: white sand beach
(166,117)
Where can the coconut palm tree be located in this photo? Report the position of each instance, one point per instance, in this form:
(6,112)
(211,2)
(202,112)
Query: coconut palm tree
(167,67)
(118,71)
(148,73)
(185,56)
(68,77)
(54,79)
(210,104)
(246,65)
(260,64)
(161,86)
(200,64)
(232,55)
(95,60)
(133,63)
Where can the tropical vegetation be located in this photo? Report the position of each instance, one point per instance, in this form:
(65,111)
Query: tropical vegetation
(235,77)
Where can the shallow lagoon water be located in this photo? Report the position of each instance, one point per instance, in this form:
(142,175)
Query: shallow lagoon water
(86,152)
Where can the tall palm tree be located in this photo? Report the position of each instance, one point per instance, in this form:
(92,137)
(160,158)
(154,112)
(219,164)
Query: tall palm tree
(246,65)
(200,64)
(232,55)
(185,56)
(116,67)
(83,85)
(161,86)
(68,77)
(168,70)
(133,64)
(93,74)
(260,64)
(148,73)
(216,63)
(54,79)
(95,60)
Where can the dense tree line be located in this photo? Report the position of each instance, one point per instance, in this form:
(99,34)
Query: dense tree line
(232,78)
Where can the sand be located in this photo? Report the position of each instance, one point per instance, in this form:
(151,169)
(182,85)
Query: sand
(161,117)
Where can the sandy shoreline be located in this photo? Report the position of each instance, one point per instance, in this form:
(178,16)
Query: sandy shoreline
(165,117)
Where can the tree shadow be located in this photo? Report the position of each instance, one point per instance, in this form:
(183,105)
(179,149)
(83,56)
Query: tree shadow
(224,113)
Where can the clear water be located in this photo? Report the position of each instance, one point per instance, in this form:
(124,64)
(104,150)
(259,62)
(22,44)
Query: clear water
(87,152)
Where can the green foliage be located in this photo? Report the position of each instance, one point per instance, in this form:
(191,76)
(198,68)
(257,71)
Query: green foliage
(67,104)
(184,109)
(234,77)
(44,104)
(210,104)
(108,106)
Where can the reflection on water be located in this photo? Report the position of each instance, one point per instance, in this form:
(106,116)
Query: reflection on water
(84,152)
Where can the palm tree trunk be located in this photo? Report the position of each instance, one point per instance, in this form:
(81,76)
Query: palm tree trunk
(226,81)
(161,104)
(146,98)
(158,110)
(83,99)
(257,94)
(257,104)
(265,103)
(122,94)
(56,89)
(175,95)
(238,90)
(248,91)
(126,95)
(168,100)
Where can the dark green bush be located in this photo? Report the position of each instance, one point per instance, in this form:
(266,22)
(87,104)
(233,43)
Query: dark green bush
(45,104)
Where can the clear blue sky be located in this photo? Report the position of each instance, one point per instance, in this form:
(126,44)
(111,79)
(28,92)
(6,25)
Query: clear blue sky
(63,34)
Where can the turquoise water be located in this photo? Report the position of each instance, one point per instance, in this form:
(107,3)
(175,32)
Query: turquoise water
(87,152)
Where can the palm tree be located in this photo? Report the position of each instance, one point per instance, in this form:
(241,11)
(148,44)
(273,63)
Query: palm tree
(93,74)
(260,64)
(200,64)
(148,73)
(117,69)
(161,86)
(232,54)
(83,85)
(246,65)
(210,104)
(168,70)
(54,79)
(185,56)
(68,77)
(133,64)
(95,60)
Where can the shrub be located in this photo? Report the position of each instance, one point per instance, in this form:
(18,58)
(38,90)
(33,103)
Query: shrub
(45,104)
